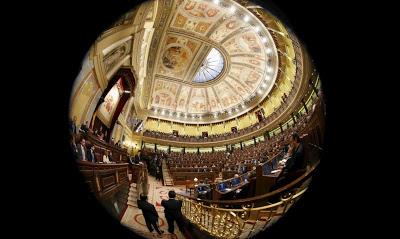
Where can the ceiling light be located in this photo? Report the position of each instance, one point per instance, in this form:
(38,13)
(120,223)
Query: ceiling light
(232,9)
(269,69)
(267,78)
(246,18)
(264,40)
(257,28)
(259,92)
(216,2)
(127,91)
(269,50)
(162,112)
(185,116)
(264,85)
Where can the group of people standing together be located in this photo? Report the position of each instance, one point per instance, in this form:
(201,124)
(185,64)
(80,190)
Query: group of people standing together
(172,210)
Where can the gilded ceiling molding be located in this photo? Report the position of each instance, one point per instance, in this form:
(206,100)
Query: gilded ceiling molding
(159,32)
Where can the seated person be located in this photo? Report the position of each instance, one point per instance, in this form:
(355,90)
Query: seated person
(295,164)
(110,158)
(222,187)
(246,178)
(236,180)
(105,157)
(202,190)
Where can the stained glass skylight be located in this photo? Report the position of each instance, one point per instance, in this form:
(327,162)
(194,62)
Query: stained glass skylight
(211,67)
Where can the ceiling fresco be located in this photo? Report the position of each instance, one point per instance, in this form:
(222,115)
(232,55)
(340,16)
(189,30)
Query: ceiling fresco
(213,58)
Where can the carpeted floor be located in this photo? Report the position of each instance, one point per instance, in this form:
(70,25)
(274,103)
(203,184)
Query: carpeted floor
(134,219)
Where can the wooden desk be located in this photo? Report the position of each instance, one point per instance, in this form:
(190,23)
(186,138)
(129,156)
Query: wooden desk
(190,187)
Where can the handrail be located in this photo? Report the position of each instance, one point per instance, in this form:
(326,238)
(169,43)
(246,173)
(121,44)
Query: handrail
(294,183)
(233,222)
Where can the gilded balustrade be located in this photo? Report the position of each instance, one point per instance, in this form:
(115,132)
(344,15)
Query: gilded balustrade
(237,223)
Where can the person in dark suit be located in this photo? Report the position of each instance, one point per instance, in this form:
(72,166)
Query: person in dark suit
(84,127)
(172,210)
(72,125)
(137,158)
(294,166)
(149,213)
(90,155)
(74,147)
(158,173)
(81,147)
(296,161)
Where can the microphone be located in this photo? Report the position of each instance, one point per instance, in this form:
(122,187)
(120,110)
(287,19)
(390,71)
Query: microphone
(316,146)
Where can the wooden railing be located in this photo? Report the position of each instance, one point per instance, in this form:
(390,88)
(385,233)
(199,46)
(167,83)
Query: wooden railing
(109,183)
(119,155)
(104,179)
(140,177)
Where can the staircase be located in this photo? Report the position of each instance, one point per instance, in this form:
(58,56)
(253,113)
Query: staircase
(133,195)
(168,180)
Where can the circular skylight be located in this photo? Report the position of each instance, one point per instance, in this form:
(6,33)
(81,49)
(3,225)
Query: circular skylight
(211,67)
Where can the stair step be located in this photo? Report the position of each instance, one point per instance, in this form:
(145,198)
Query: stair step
(132,204)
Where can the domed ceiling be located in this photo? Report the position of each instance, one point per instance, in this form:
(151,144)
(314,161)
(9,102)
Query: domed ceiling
(215,58)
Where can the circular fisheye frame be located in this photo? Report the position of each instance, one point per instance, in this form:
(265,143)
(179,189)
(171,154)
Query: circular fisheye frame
(206,113)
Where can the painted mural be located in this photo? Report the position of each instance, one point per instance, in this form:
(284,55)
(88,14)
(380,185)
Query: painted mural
(127,18)
(165,94)
(107,108)
(214,104)
(85,93)
(249,78)
(116,55)
(230,25)
(177,56)
(242,47)
(247,42)
(239,88)
(198,101)
(182,98)
(255,61)
(196,17)
(227,96)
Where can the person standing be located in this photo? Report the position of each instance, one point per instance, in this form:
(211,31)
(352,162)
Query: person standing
(82,150)
(74,147)
(137,158)
(90,156)
(172,210)
(158,172)
(149,213)
(72,125)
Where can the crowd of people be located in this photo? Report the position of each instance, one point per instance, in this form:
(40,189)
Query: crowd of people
(85,150)
(216,136)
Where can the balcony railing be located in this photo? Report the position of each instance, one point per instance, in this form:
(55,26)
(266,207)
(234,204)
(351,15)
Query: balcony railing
(242,218)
